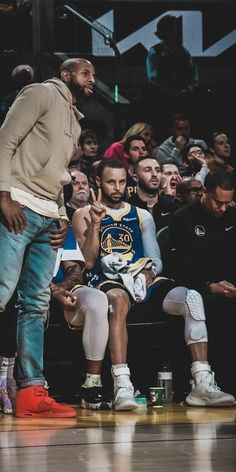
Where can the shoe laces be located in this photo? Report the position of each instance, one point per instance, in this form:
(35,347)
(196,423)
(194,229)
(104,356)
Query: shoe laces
(209,383)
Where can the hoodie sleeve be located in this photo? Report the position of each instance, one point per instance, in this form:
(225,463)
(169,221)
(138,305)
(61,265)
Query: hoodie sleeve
(31,103)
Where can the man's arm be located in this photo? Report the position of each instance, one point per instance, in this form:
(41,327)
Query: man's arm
(61,291)
(150,245)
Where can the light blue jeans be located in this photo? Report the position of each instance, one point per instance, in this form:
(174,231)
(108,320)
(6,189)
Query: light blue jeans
(27,262)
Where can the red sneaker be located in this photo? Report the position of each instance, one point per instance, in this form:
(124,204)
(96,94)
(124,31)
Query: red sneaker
(34,401)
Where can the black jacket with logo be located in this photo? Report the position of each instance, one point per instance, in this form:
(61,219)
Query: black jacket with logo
(203,247)
(161,211)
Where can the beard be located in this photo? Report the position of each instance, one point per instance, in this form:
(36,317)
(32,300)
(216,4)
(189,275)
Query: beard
(146,188)
(78,199)
(78,91)
(110,198)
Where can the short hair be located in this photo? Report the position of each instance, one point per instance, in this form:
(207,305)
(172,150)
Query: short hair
(166,23)
(181,185)
(219,178)
(87,134)
(144,158)
(186,150)
(168,161)
(108,163)
(180,116)
(131,138)
(22,75)
(72,64)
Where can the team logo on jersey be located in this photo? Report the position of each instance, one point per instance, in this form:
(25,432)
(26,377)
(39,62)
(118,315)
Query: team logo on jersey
(120,241)
(199,230)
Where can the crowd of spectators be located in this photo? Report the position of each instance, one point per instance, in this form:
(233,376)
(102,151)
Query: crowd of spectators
(119,201)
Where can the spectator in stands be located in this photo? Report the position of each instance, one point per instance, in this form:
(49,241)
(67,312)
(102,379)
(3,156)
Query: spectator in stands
(188,190)
(220,152)
(171,71)
(80,193)
(21,75)
(173,146)
(116,150)
(89,147)
(109,226)
(37,140)
(83,307)
(202,242)
(170,176)
(195,158)
(147,174)
(135,148)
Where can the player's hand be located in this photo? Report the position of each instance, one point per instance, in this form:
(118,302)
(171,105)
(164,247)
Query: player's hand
(65,298)
(149,276)
(97,210)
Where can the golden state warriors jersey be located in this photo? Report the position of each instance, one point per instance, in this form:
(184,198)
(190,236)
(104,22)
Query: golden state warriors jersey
(120,233)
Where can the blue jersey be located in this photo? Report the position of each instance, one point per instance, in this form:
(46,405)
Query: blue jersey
(122,234)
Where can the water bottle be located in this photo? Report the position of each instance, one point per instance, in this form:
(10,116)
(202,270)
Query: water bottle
(164,379)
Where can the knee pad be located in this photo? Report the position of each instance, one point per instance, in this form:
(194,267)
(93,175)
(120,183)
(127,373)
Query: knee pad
(195,326)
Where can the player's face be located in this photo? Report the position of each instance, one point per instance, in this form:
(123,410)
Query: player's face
(217,202)
(113,185)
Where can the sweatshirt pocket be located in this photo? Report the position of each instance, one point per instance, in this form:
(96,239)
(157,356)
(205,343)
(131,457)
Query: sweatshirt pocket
(51,176)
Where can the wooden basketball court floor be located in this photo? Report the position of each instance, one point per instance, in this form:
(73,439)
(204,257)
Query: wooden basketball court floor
(172,438)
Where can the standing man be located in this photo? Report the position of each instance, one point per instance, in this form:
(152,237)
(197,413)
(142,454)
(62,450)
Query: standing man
(116,239)
(37,140)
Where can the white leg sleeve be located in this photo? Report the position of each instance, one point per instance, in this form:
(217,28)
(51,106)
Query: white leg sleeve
(188,303)
(93,306)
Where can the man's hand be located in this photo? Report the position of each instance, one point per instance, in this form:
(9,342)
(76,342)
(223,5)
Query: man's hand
(58,235)
(180,143)
(12,212)
(97,210)
(65,298)
(224,288)
(149,275)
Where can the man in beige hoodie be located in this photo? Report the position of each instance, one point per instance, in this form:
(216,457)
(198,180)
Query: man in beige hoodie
(37,140)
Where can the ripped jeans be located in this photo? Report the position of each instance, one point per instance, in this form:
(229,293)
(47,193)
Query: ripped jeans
(27,262)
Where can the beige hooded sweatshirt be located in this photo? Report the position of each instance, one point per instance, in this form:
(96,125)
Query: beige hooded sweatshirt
(37,140)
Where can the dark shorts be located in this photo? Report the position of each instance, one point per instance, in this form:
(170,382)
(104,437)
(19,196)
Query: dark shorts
(151,308)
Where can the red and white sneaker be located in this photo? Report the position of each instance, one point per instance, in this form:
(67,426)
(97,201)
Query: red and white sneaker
(34,402)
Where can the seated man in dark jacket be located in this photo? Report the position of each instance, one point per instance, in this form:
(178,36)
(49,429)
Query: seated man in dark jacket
(202,239)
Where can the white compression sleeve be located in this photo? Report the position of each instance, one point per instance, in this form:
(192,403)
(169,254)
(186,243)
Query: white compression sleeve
(94,305)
